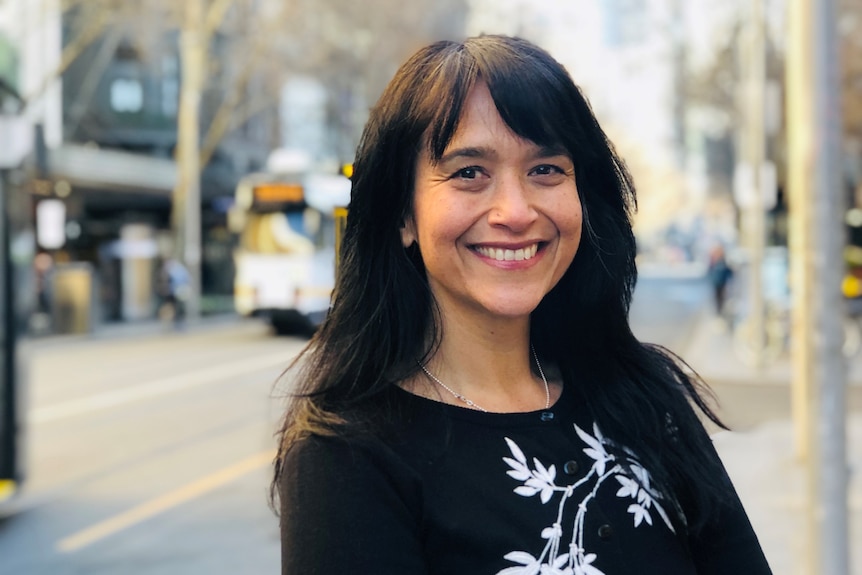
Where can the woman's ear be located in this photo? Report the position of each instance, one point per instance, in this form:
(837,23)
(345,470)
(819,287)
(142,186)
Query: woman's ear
(408,233)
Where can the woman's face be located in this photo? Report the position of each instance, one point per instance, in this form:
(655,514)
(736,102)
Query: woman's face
(497,219)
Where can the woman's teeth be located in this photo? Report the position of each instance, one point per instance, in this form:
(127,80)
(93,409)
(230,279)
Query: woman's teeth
(509,255)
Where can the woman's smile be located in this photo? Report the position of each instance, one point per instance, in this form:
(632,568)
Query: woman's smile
(500,254)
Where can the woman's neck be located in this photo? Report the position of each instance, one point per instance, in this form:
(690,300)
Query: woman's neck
(488,362)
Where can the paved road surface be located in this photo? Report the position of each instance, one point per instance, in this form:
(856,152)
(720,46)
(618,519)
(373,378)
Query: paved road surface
(150,455)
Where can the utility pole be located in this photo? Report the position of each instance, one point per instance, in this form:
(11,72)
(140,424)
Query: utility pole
(800,163)
(749,178)
(186,214)
(814,157)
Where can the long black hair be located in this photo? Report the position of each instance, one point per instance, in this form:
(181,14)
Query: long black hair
(382,311)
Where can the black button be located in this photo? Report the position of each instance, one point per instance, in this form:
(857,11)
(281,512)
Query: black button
(547,415)
(570,467)
(605,531)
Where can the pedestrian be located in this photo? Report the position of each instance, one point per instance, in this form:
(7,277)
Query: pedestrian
(475,401)
(719,273)
(174,285)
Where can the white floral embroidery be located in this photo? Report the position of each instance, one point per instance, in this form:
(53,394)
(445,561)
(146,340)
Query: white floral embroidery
(540,480)
(644,494)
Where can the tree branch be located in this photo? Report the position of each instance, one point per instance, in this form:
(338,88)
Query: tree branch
(221,121)
(214,17)
(224,121)
(71,53)
(228,123)
(92,77)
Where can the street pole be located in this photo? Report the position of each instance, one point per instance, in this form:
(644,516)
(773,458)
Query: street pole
(186,213)
(814,177)
(828,469)
(754,218)
(10,420)
(800,163)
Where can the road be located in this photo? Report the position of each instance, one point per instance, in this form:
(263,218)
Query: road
(150,454)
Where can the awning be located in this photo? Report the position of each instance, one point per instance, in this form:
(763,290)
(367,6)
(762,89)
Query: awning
(99,168)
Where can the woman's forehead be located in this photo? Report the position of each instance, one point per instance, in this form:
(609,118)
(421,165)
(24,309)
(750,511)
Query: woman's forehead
(480,123)
(481,131)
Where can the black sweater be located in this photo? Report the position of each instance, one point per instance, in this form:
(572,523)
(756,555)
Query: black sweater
(457,491)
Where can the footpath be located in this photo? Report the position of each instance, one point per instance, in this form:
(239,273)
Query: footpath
(762,461)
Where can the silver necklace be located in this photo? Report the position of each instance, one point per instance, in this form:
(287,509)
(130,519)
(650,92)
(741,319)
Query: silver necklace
(472,404)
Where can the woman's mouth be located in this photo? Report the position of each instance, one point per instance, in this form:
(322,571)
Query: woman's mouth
(502,254)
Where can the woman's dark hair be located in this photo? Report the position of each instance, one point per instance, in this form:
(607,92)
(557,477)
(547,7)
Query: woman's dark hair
(382,310)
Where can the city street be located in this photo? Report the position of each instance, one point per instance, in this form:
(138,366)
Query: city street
(150,452)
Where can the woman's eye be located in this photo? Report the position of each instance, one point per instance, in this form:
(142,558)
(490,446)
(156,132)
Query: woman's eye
(470,173)
(547,169)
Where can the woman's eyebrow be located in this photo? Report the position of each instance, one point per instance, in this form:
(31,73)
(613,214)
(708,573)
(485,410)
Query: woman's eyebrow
(467,152)
(550,152)
(483,152)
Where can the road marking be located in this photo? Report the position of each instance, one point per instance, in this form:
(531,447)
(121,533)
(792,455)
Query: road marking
(157,387)
(163,503)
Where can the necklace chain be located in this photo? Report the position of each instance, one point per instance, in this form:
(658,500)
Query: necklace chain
(472,404)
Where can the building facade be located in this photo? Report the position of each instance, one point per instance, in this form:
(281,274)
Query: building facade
(104,161)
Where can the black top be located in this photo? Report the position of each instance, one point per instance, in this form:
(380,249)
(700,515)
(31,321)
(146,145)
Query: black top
(458,491)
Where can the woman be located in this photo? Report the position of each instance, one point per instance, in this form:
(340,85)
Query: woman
(475,401)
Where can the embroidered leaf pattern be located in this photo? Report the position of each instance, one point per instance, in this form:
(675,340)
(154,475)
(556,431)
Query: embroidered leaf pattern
(642,492)
(537,479)
(553,532)
(529,565)
(585,568)
(516,451)
(559,567)
(629,487)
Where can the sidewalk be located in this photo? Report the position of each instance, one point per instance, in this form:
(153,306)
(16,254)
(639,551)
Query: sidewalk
(770,479)
(711,352)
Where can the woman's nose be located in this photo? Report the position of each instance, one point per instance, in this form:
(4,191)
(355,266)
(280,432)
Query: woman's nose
(511,205)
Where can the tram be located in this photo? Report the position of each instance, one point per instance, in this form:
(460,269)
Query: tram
(285,248)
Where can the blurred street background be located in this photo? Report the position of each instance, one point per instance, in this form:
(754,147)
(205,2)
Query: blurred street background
(172,178)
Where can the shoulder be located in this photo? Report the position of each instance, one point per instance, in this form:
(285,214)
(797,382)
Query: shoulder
(321,455)
(348,504)
(351,467)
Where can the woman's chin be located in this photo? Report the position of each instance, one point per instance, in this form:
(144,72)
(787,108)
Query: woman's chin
(511,309)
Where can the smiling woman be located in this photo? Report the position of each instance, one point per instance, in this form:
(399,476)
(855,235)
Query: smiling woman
(475,401)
